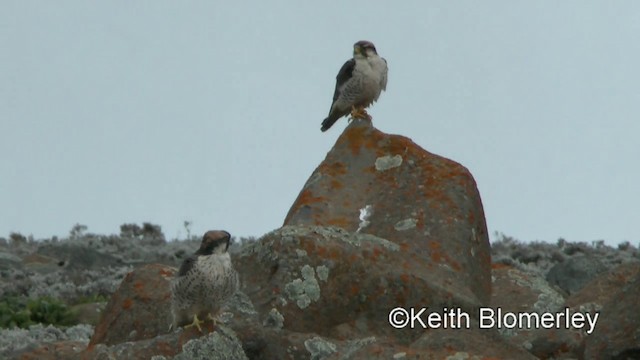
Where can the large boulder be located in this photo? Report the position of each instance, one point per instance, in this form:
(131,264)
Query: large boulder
(139,309)
(575,272)
(518,290)
(387,186)
(617,334)
(330,281)
(613,295)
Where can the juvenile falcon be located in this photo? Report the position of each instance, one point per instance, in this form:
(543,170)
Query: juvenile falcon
(205,281)
(358,84)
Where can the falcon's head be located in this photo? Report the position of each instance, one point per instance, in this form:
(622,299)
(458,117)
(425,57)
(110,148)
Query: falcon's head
(214,242)
(364,48)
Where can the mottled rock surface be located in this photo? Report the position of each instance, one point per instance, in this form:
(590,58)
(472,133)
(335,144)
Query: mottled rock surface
(574,273)
(320,279)
(516,290)
(139,309)
(387,186)
(617,334)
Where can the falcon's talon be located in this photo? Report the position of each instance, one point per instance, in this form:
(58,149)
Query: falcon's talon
(360,113)
(196,322)
(213,319)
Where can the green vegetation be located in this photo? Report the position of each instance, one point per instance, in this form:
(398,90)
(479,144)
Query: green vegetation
(94,298)
(19,312)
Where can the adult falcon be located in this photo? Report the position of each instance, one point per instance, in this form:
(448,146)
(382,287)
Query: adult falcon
(358,84)
(205,281)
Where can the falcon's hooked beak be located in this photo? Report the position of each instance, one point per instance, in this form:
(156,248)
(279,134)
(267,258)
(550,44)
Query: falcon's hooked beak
(357,50)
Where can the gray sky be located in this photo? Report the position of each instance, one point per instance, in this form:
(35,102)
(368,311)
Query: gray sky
(210,111)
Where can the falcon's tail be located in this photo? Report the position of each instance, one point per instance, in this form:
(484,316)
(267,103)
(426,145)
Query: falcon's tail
(328,122)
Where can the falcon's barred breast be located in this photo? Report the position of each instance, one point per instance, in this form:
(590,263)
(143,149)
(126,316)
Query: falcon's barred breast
(358,84)
(205,281)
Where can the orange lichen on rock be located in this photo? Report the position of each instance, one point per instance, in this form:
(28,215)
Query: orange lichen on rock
(126,304)
(399,146)
(496,266)
(405,278)
(333,169)
(354,290)
(339,222)
(354,138)
(335,184)
(166,272)
(306,197)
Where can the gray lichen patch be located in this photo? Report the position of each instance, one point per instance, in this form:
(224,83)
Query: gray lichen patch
(304,291)
(388,162)
(590,307)
(353,346)
(359,238)
(301,253)
(242,303)
(405,224)
(320,348)
(274,319)
(460,355)
(549,300)
(295,231)
(220,344)
(327,233)
(323,272)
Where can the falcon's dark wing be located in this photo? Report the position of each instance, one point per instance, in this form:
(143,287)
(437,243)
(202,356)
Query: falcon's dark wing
(345,73)
(187,265)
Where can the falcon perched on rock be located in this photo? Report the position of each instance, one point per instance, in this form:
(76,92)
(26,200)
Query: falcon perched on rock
(205,281)
(358,84)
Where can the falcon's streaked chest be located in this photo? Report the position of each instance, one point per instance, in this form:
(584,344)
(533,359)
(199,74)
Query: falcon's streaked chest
(211,278)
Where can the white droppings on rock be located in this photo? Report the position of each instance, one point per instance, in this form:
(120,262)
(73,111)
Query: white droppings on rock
(365,215)
(388,162)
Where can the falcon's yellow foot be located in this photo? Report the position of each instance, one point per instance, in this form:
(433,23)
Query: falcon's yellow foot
(212,318)
(359,113)
(196,322)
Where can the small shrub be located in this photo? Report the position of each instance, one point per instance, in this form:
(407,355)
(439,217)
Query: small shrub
(14,313)
(17,239)
(78,231)
(19,312)
(50,311)
(93,298)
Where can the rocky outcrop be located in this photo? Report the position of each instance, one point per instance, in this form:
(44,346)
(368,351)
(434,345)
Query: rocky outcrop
(572,275)
(387,186)
(380,224)
(618,332)
(140,308)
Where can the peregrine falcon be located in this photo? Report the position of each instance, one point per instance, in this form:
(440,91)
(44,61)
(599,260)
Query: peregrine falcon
(205,281)
(358,84)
